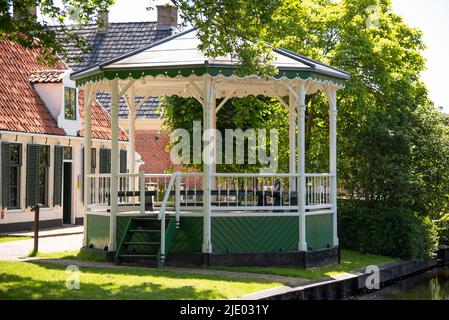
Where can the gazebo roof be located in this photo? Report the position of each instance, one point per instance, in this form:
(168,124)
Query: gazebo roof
(179,56)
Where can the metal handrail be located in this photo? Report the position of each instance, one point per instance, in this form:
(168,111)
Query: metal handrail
(161,215)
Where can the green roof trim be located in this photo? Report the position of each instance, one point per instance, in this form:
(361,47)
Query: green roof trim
(214,71)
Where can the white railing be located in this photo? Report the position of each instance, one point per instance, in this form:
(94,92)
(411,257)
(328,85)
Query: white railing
(254,191)
(183,192)
(318,190)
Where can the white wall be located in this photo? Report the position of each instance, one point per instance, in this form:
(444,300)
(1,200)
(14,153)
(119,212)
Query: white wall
(52,212)
(52,94)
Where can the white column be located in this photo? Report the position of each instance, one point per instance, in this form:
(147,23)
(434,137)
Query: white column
(87,154)
(208,166)
(292,139)
(114,164)
(132,134)
(132,129)
(332,97)
(301,187)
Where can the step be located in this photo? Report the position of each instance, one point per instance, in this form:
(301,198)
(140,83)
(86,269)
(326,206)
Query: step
(144,231)
(141,243)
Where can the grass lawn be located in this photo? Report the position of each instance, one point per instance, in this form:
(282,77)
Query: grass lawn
(39,280)
(9,239)
(72,255)
(350,261)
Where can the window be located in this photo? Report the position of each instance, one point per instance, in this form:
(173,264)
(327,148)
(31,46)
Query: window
(93,160)
(69,103)
(15,165)
(67,153)
(44,164)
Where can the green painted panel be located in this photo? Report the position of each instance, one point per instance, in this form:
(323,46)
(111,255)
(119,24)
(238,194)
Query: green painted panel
(57,184)
(6,174)
(254,234)
(319,231)
(189,237)
(97,231)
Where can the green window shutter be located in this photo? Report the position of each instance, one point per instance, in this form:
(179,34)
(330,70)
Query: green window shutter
(105,160)
(6,174)
(123,161)
(57,186)
(32,174)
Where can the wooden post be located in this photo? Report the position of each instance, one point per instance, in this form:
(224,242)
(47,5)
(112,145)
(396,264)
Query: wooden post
(333,160)
(114,164)
(208,167)
(36,210)
(301,187)
(132,133)
(292,140)
(88,96)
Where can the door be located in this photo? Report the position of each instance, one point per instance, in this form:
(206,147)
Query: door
(67,194)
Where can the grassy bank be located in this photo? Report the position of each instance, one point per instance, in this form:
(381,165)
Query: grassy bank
(350,261)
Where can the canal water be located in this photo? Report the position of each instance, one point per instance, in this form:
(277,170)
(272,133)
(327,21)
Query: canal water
(431,285)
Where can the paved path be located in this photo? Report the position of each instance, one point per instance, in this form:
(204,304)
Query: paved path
(16,250)
(62,231)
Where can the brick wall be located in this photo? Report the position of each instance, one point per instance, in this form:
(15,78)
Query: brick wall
(151,146)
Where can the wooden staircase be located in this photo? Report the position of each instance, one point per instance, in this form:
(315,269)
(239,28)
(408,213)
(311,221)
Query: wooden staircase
(141,241)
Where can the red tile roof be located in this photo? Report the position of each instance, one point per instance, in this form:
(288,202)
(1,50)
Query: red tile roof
(101,120)
(21,109)
(53,76)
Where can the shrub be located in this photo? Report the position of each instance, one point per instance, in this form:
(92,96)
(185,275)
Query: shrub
(443,230)
(394,232)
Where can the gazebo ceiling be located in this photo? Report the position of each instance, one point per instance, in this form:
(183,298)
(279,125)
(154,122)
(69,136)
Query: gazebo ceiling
(178,57)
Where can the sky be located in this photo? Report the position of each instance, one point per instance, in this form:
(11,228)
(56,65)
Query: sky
(431,16)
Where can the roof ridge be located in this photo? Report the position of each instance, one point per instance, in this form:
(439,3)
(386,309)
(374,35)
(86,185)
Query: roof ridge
(95,25)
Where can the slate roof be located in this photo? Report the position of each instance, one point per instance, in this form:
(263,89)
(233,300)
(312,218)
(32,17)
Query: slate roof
(21,108)
(120,38)
(47,76)
(150,109)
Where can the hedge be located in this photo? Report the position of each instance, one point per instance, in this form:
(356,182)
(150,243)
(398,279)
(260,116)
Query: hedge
(393,232)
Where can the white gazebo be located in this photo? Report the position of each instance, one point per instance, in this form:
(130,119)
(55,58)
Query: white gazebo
(222,217)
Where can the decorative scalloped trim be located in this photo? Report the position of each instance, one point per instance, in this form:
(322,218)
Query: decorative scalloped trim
(185,73)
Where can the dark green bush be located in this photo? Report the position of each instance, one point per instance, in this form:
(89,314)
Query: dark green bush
(386,231)
(443,230)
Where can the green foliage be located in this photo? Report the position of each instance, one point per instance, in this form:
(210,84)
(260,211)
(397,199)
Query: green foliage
(24,28)
(443,230)
(234,27)
(246,113)
(389,231)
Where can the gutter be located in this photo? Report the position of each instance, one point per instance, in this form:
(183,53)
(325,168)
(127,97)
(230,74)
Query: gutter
(55,136)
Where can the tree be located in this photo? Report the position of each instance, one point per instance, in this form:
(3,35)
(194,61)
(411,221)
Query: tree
(235,27)
(393,147)
(18,23)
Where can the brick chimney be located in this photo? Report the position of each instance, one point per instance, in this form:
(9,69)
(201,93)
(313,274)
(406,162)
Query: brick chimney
(102,21)
(167,16)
